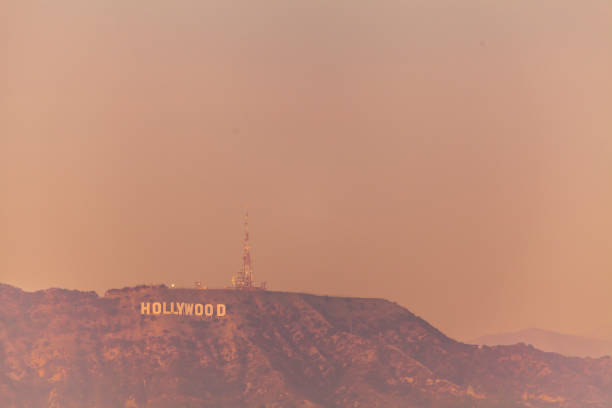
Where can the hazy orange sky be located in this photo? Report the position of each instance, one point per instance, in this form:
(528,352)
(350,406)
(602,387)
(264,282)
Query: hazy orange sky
(453,156)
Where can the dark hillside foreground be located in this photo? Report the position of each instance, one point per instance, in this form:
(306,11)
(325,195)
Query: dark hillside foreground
(71,349)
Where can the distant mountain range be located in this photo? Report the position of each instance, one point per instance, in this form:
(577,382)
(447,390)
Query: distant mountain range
(71,349)
(546,340)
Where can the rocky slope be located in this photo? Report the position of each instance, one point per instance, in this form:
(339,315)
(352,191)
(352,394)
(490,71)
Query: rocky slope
(65,349)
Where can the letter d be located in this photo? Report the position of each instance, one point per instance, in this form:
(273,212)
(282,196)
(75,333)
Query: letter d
(220,310)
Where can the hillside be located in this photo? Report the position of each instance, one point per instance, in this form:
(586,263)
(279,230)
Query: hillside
(547,340)
(64,349)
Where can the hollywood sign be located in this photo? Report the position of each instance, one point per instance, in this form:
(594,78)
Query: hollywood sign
(182,309)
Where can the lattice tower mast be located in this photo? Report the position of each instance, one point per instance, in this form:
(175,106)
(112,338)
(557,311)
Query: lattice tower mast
(247,268)
(244,277)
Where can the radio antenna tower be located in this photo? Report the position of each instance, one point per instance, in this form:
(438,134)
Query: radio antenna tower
(243,279)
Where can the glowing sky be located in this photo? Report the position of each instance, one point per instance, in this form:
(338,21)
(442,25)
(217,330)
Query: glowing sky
(453,156)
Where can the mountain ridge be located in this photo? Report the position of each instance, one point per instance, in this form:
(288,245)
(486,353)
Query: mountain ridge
(65,348)
(549,340)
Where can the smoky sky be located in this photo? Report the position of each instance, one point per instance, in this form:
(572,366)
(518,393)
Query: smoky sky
(452,156)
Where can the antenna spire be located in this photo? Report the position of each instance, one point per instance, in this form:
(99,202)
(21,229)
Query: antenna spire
(243,279)
(246,253)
